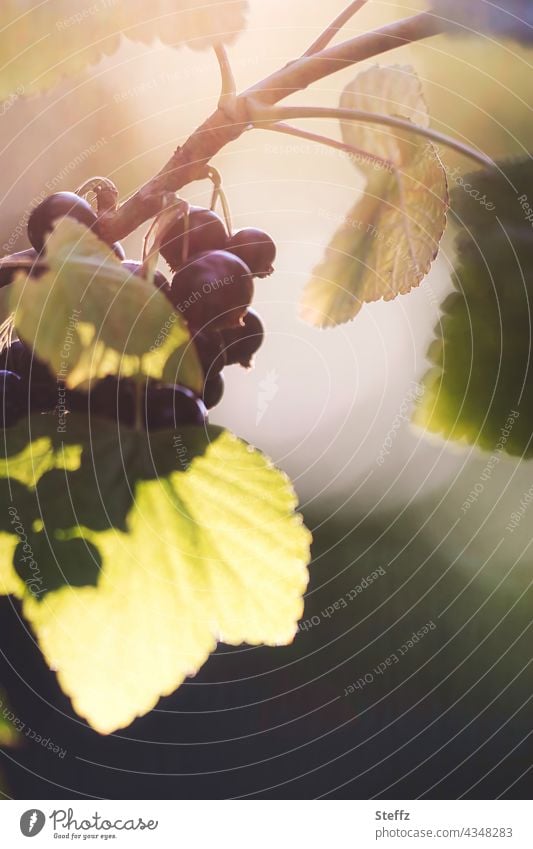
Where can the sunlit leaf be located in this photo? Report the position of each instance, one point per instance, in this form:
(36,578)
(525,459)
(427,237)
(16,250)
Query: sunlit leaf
(394,90)
(210,550)
(506,18)
(387,242)
(42,42)
(480,388)
(88,317)
(385,245)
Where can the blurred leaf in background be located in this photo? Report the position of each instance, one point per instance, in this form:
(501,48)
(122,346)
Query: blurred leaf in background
(480,389)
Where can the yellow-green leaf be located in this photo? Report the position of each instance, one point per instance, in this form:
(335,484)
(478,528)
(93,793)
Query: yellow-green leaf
(394,90)
(40,43)
(210,550)
(385,245)
(88,317)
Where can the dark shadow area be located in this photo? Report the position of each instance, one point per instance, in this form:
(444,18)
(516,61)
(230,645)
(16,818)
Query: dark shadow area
(333,714)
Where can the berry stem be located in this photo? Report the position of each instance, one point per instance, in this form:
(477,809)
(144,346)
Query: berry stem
(105,190)
(219,194)
(324,38)
(271,114)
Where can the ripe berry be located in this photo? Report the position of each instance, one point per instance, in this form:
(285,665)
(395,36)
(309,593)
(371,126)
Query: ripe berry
(168,407)
(11,400)
(136,268)
(241,343)
(20,358)
(255,248)
(108,398)
(206,233)
(212,291)
(210,350)
(213,391)
(42,219)
(9,267)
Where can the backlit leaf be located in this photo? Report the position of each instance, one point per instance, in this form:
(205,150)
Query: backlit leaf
(385,245)
(480,388)
(88,317)
(394,90)
(42,42)
(210,550)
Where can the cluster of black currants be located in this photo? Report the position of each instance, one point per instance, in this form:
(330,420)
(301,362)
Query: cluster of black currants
(212,288)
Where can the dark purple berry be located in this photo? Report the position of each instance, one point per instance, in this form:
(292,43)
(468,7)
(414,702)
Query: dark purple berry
(241,343)
(256,248)
(42,219)
(136,268)
(210,350)
(213,391)
(21,261)
(212,291)
(11,400)
(168,407)
(20,358)
(110,399)
(206,232)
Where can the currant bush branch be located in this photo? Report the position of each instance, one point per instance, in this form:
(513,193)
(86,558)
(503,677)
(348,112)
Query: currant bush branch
(188,162)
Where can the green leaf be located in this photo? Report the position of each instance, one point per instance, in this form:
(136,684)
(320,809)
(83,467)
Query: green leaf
(480,388)
(385,245)
(88,317)
(40,43)
(387,242)
(209,550)
(394,90)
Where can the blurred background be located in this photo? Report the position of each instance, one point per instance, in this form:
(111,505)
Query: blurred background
(452,717)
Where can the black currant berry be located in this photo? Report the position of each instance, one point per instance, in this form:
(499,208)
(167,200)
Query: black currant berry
(9,265)
(168,407)
(110,399)
(43,397)
(42,219)
(212,291)
(213,391)
(136,268)
(206,233)
(210,350)
(241,343)
(11,398)
(20,358)
(255,248)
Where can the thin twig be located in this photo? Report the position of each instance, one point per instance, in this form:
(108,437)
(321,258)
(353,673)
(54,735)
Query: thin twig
(356,152)
(228,94)
(324,38)
(261,114)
